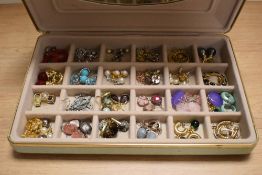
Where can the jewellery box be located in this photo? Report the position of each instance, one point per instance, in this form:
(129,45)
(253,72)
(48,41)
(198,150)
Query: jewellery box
(134,24)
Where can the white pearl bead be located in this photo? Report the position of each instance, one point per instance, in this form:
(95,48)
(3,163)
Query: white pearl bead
(109,51)
(176,82)
(124,73)
(121,80)
(107,73)
(116,72)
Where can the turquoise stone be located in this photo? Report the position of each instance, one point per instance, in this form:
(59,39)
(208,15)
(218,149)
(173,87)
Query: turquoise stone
(83,79)
(84,72)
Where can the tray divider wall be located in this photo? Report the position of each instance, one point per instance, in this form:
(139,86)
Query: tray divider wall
(133,53)
(71,53)
(164,53)
(102,53)
(95,123)
(195,54)
(204,100)
(132,127)
(208,127)
(170,127)
(57,128)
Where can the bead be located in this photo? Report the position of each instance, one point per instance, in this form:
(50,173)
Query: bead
(226,107)
(195,124)
(75,122)
(211,52)
(116,73)
(141,133)
(151,135)
(193,107)
(108,128)
(85,128)
(106,109)
(120,81)
(91,81)
(77,134)
(74,79)
(39,82)
(228,98)
(142,101)
(124,126)
(107,101)
(68,128)
(114,98)
(215,99)
(177,97)
(42,76)
(156,100)
(149,107)
(45,123)
(42,136)
(202,53)
(83,79)
(124,73)
(84,72)
(109,51)
(52,54)
(124,98)
(107,73)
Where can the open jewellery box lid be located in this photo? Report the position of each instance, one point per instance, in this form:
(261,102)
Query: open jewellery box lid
(134,16)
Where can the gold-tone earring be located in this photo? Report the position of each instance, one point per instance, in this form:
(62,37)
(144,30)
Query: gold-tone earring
(180,129)
(37,100)
(226,130)
(178,56)
(185,133)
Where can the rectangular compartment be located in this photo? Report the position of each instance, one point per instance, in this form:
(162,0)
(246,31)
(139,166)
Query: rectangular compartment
(44,105)
(223,70)
(244,132)
(65,119)
(164,132)
(186,120)
(71,96)
(119,135)
(194,76)
(149,93)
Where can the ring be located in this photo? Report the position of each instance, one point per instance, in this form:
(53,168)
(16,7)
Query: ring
(226,107)
(226,130)
(228,98)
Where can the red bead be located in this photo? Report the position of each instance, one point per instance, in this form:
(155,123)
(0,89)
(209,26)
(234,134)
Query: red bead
(39,82)
(53,55)
(42,76)
(156,100)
